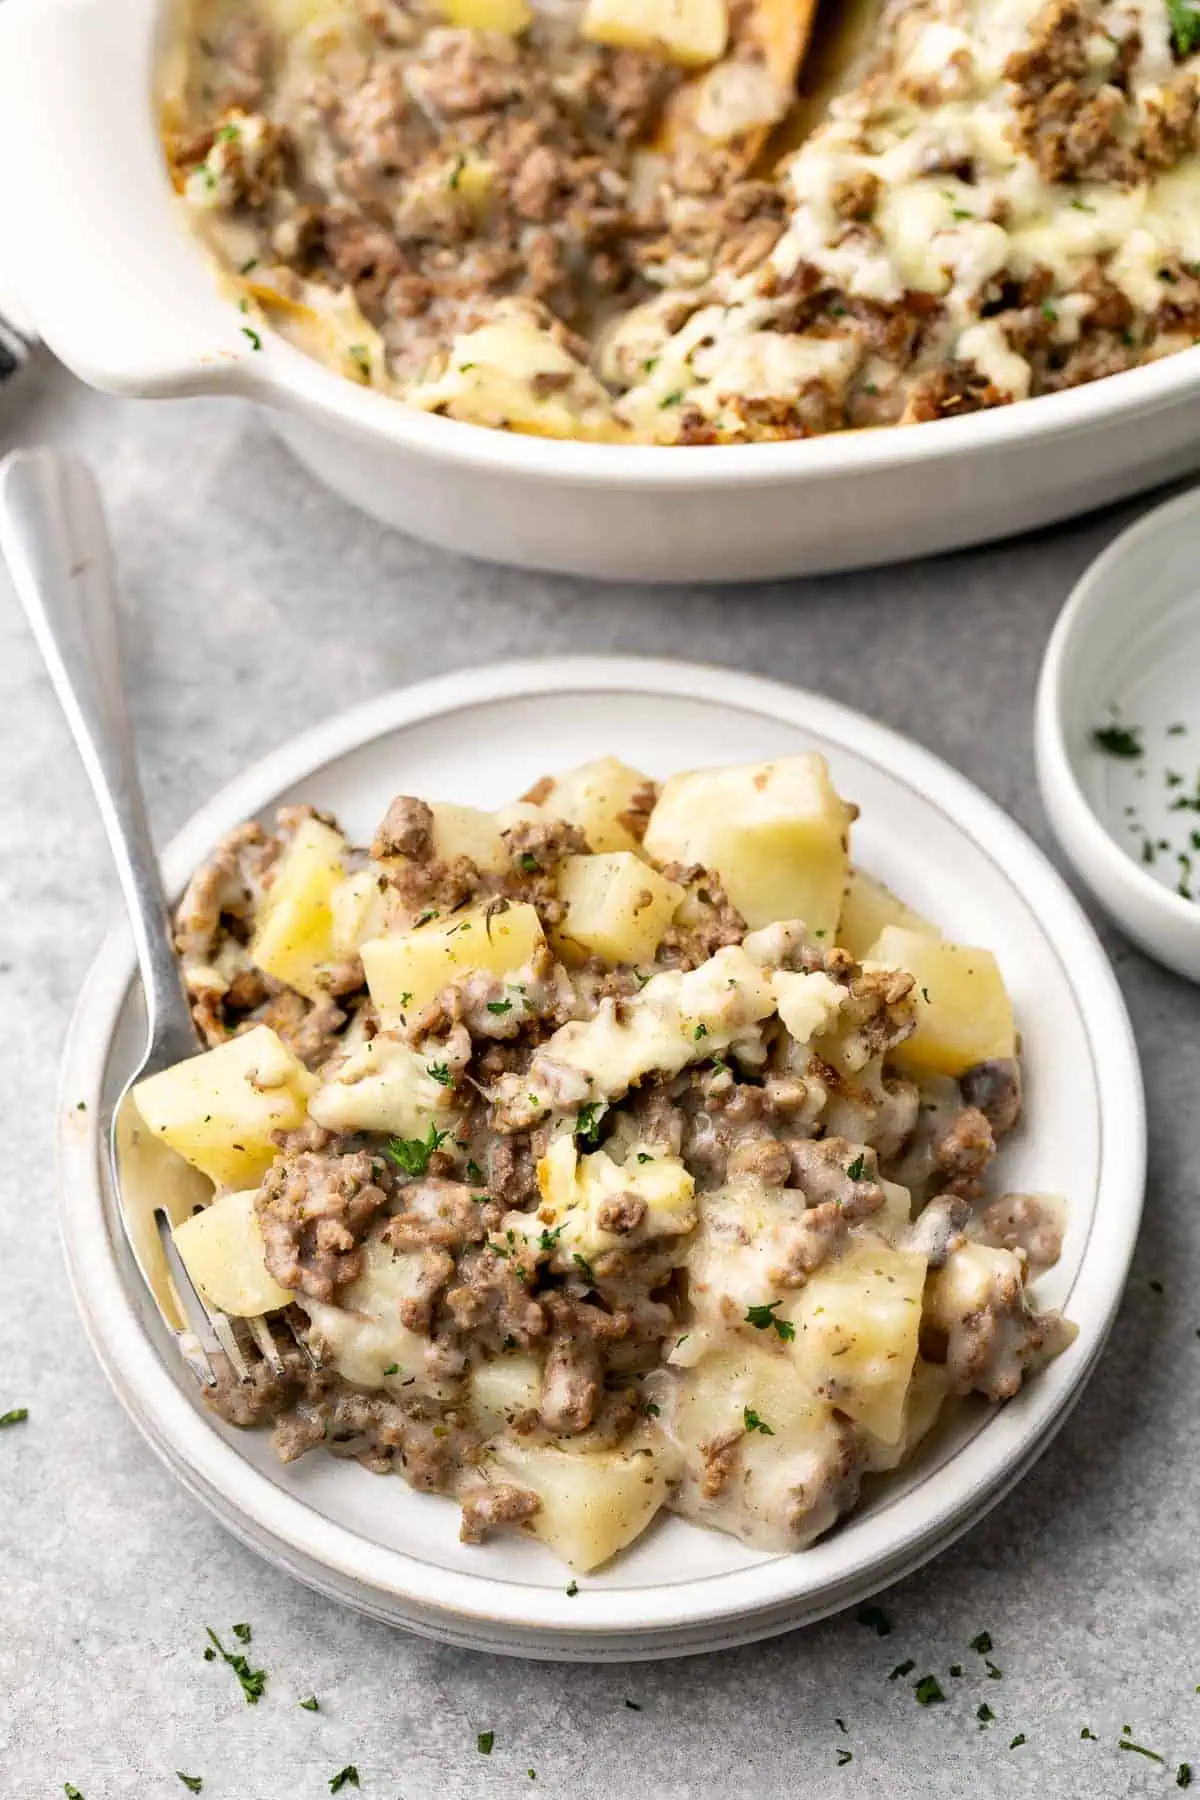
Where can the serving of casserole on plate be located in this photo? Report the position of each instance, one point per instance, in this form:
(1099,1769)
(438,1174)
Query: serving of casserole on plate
(608,1189)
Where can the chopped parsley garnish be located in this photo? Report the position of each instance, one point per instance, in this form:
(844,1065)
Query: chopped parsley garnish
(956,1670)
(644,1156)
(841,1724)
(1127,1743)
(1085,1733)
(474,1172)
(484,1742)
(362,362)
(763,1317)
(928,1691)
(994,1674)
(633,1706)
(982,1643)
(255,340)
(1185,27)
(413,1154)
(423,918)
(460,163)
(572,1589)
(193,1783)
(16,1415)
(587,1124)
(984,1714)
(71,1791)
(902,1669)
(1017,1741)
(242,1633)
(876,1620)
(1183,1775)
(752,1422)
(857,1167)
(652,1409)
(843,1757)
(499,1007)
(1118,740)
(312,1704)
(247,266)
(439,1072)
(392,1369)
(671,399)
(347,1777)
(253,1681)
(1176,730)
(529,863)
(548,1239)
(582,1263)
(701,1031)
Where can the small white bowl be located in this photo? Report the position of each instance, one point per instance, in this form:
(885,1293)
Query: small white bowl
(485,734)
(1125,658)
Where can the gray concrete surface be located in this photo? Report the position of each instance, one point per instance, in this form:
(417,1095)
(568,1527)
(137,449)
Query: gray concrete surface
(255,604)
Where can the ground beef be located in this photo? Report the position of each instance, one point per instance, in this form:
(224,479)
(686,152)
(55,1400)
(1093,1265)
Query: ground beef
(706,921)
(406,829)
(1030,1223)
(492,1294)
(484,1509)
(572,1379)
(535,847)
(315,1208)
(830,1170)
(994,1089)
(441,1214)
(963,1151)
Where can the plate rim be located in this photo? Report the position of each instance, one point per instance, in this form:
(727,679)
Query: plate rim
(422,1594)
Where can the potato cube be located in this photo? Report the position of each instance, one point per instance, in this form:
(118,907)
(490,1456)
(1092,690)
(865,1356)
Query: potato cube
(492,375)
(618,908)
(776,833)
(593,797)
(363,1336)
(509,17)
(928,1389)
(408,969)
(222,1251)
(593,1502)
(964,1014)
(857,1320)
(783,1489)
(692,32)
(504,1389)
(294,938)
(219,1109)
(466,831)
(575,1190)
(358,911)
(868,908)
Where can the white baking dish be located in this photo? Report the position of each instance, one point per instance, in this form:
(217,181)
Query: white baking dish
(105,269)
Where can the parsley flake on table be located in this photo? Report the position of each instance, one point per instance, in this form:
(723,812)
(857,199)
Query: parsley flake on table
(843,1757)
(877,1620)
(1183,1775)
(1126,1743)
(1118,740)
(242,1633)
(994,1674)
(17,1415)
(312,1704)
(193,1783)
(633,1706)
(928,1691)
(347,1777)
(982,1643)
(1018,1741)
(763,1319)
(412,1154)
(253,1681)
(984,1714)
(71,1791)
(752,1422)
(1085,1733)
(484,1742)
(902,1669)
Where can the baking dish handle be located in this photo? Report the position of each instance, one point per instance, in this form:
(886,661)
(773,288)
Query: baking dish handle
(89,233)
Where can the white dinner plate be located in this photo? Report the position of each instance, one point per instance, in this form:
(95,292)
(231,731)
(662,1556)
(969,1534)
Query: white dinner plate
(484,736)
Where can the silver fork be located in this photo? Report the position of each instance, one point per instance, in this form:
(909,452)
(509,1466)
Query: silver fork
(54,541)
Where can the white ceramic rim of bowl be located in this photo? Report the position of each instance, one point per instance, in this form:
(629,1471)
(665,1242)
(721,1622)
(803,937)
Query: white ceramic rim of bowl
(68,205)
(961,1490)
(1144,906)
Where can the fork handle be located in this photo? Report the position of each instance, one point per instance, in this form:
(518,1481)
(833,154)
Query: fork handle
(54,540)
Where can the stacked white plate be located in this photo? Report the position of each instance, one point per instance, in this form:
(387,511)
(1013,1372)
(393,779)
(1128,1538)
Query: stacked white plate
(483,737)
